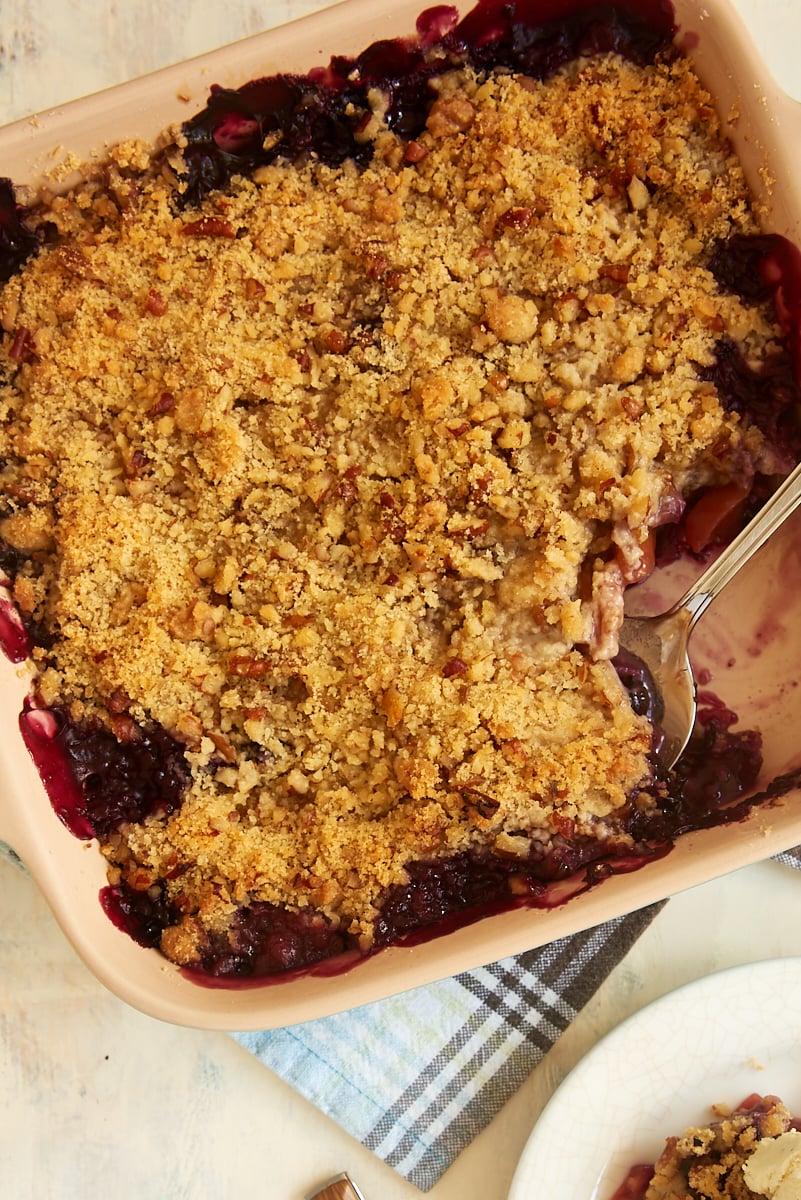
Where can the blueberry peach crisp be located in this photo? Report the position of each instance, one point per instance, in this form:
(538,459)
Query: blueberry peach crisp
(332,435)
(752,1152)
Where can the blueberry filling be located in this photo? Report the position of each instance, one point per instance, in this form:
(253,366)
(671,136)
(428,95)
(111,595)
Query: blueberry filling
(17,240)
(639,683)
(96,783)
(291,116)
(142,915)
(264,940)
(267,940)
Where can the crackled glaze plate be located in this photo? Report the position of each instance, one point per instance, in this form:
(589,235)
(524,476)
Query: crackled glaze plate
(715,1040)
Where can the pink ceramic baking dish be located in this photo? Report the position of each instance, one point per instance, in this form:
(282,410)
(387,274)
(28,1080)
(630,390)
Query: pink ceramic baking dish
(751,644)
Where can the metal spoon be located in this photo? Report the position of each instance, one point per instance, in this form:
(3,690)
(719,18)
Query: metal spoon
(661,642)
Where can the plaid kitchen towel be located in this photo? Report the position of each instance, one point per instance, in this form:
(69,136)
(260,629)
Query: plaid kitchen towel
(418,1076)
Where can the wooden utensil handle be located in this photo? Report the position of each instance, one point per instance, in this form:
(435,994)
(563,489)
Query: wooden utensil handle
(341,1187)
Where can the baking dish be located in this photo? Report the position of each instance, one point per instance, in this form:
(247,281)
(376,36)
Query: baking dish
(751,661)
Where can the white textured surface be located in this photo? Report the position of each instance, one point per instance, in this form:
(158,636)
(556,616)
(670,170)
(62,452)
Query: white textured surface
(51,52)
(97,1100)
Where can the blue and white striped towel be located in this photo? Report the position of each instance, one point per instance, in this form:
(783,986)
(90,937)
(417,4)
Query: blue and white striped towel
(418,1076)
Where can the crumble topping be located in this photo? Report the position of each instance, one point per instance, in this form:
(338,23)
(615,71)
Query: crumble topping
(712,1162)
(340,477)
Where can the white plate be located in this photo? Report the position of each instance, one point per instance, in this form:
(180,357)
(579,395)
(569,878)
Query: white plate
(713,1041)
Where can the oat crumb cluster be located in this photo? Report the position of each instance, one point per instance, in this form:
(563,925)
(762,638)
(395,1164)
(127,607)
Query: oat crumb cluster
(340,476)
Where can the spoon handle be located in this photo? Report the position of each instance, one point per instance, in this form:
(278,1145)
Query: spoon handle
(341,1187)
(711,583)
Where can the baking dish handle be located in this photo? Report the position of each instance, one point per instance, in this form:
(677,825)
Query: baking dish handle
(790,124)
(17,772)
(10,831)
(786,165)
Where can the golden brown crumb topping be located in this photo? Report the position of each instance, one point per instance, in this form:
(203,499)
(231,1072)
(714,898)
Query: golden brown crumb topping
(706,1162)
(341,477)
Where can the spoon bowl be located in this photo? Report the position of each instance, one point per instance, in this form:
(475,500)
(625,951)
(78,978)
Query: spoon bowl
(661,643)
